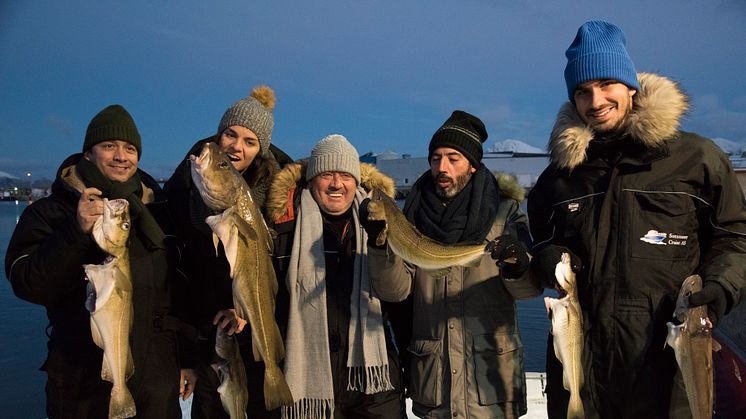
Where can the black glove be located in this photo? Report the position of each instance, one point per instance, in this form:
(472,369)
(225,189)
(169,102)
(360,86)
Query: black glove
(714,295)
(510,256)
(372,227)
(545,262)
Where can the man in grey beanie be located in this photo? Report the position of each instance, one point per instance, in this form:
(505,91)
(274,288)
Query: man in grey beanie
(340,358)
(467,355)
(639,205)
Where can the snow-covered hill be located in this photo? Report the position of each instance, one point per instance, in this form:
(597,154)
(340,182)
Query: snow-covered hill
(515,146)
(6,175)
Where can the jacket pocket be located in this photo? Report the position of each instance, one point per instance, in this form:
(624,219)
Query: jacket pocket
(498,368)
(426,372)
(664,226)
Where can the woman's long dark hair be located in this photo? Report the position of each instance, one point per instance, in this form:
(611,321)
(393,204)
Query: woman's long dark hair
(259,170)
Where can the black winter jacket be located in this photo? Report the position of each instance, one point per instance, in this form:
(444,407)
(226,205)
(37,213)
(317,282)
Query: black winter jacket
(339,245)
(643,211)
(44,264)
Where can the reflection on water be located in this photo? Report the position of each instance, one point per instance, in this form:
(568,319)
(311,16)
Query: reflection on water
(22,335)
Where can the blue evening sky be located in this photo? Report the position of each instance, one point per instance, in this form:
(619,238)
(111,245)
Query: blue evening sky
(384,73)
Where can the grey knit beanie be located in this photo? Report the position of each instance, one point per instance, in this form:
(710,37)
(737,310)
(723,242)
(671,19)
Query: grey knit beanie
(334,154)
(255,113)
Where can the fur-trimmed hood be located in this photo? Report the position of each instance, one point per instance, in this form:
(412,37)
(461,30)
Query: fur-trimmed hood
(509,186)
(293,175)
(657,110)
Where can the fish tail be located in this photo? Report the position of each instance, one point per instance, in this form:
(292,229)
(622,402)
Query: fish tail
(575,408)
(276,390)
(121,405)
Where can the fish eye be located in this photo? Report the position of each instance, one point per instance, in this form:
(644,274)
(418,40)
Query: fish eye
(223,165)
(125,226)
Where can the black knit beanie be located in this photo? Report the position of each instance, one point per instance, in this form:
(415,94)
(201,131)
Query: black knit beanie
(463,132)
(112,123)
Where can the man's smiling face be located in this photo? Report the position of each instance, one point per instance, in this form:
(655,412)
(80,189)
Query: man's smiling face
(603,104)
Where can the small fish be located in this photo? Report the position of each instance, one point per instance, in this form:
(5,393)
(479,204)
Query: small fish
(232,374)
(110,304)
(567,330)
(416,248)
(247,243)
(690,336)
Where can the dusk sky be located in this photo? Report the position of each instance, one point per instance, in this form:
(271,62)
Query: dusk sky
(385,74)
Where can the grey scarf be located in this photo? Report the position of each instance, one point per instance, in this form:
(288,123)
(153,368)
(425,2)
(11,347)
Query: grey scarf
(307,365)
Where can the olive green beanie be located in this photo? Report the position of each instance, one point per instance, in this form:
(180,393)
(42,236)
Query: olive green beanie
(112,123)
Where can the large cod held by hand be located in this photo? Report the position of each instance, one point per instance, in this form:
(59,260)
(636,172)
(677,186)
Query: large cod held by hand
(567,333)
(247,242)
(416,248)
(690,336)
(110,304)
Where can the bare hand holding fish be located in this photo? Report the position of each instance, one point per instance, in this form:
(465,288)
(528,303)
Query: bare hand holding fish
(567,332)
(110,304)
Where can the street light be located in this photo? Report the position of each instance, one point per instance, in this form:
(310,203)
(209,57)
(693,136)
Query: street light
(30,186)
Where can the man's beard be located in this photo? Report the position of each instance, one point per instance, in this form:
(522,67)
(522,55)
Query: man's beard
(457,186)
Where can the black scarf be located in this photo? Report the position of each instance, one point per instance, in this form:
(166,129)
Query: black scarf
(131,190)
(467,217)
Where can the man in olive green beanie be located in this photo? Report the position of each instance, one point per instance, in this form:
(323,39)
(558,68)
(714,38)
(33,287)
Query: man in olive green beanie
(44,263)
(112,123)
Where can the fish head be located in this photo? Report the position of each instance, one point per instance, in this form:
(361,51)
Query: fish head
(112,229)
(377,205)
(218,182)
(564,273)
(690,285)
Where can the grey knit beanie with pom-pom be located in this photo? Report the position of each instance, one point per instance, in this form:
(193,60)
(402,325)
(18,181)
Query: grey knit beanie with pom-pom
(255,113)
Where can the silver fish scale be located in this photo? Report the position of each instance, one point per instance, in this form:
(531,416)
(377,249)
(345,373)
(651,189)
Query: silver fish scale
(245,204)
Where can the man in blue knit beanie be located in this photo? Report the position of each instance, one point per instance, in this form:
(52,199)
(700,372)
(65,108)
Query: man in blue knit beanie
(639,205)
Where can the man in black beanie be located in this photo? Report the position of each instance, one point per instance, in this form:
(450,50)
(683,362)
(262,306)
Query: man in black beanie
(44,263)
(468,353)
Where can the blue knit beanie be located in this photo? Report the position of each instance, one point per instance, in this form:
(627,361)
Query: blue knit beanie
(599,52)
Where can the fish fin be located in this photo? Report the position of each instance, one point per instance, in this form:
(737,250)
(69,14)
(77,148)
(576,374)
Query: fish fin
(473,263)
(215,241)
(121,404)
(276,390)
(129,368)
(96,335)
(674,331)
(103,282)
(106,371)
(575,408)
(224,229)
(255,349)
(245,228)
(381,239)
(716,347)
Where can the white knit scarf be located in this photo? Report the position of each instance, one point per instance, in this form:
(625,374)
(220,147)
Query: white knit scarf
(307,364)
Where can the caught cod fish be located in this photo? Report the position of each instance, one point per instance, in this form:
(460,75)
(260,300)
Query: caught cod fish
(690,336)
(567,330)
(416,248)
(111,312)
(232,374)
(247,243)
